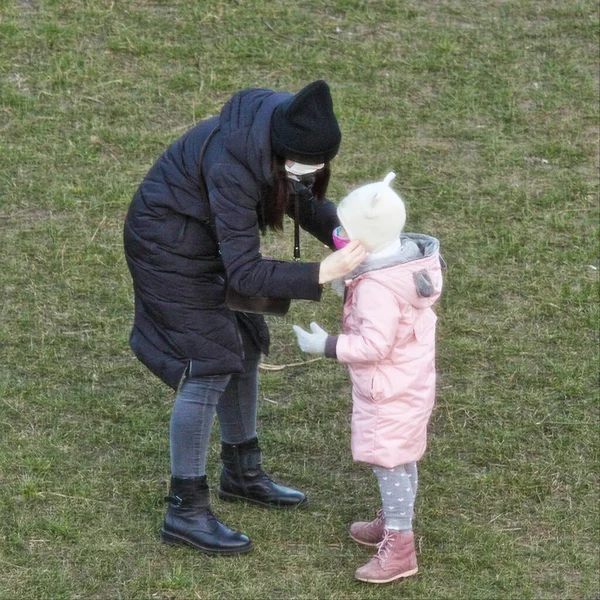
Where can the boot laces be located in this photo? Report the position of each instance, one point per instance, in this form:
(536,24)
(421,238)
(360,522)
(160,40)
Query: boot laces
(378,521)
(385,545)
(261,474)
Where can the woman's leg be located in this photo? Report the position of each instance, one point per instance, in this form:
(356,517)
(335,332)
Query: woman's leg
(191,424)
(237,407)
(242,477)
(188,519)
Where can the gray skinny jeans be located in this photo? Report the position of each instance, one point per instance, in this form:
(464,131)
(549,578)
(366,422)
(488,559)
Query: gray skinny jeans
(233,397)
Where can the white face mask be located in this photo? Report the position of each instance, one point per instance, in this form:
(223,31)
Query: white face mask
(299,169)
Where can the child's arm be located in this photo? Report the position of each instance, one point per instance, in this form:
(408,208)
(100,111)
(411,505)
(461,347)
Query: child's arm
(376,311)
(377,314)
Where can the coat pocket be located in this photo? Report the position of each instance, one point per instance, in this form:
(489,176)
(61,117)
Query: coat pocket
(377,388)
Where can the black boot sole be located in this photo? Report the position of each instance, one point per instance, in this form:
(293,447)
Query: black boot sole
(168,537)
(228,497)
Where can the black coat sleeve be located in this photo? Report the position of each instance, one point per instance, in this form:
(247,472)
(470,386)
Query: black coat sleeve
(317,217)
(234,197)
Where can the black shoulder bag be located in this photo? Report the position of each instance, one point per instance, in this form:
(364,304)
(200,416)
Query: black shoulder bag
(235,301)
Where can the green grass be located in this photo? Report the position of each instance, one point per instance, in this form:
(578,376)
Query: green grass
(488,114)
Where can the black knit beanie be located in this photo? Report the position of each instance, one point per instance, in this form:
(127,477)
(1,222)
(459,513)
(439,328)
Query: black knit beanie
(304,128)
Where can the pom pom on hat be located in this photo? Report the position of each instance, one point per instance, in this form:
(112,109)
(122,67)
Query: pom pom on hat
(304,127)
(373,214)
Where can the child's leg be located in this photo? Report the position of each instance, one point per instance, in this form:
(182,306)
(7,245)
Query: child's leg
(396,556)
(397,494)
(413,475)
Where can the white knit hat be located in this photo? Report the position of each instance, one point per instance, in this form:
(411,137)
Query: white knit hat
(373,214)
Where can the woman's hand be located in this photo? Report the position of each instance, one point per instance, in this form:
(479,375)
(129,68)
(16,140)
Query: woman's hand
(342,261)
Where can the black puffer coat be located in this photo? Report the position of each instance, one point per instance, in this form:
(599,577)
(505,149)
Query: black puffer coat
(182,325)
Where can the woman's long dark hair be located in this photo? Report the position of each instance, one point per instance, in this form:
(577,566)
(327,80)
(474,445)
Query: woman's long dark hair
(276,205)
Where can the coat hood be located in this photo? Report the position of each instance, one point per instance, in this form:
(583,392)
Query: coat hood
(414,274)
(245,123)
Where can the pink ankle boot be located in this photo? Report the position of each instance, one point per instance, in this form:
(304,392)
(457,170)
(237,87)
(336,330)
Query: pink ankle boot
(395,558)
(369,533)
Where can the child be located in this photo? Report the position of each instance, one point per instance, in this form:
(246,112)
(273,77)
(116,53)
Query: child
(389,345)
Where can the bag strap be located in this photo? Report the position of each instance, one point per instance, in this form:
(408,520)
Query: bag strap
(204,193)
(296,228)
(201,179)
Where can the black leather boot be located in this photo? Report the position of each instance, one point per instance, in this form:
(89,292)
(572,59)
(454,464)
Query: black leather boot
(189,521)
(242,479)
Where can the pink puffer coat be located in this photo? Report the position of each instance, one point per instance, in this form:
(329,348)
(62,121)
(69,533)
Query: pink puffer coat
(389,345)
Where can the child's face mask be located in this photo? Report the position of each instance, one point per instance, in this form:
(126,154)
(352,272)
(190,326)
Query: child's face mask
(339,237)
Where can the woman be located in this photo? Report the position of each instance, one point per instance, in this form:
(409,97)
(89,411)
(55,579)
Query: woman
(265,155)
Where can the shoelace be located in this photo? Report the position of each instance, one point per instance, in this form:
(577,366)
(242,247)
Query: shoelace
(263,475)
(379,520)
(384,546)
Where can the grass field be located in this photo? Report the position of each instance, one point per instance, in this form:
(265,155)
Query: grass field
(488,113)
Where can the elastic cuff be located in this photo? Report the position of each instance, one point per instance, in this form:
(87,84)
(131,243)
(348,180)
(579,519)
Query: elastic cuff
(330,346)
(315,268)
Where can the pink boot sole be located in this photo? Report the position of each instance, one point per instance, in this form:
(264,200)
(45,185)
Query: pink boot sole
(363,542)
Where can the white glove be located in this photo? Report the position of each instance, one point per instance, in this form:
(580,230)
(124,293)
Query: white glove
(312,343)
(339,286)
